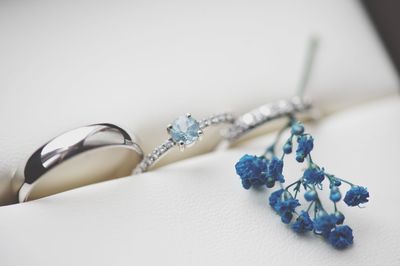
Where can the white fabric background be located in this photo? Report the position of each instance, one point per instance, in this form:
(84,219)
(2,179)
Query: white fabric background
(195,212)
(140,64)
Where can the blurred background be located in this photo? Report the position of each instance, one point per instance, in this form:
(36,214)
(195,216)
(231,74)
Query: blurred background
(140,64)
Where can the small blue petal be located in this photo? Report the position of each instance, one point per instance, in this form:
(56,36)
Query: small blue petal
(313,176)
(286,217)
(275,197)
(246,184)
(285,209)
(275,168)
(356,196)
(303,223)
(341,237)
(324,224)
(305,146)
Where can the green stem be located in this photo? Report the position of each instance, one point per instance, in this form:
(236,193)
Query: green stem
(317,200)
(292,184)
(315,210)
(297,189)
(309,206)
(310,161)
(271,148)
(347,182)
(309,60)
(331,180)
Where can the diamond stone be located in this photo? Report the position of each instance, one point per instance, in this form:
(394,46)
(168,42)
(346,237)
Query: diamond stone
(185,129)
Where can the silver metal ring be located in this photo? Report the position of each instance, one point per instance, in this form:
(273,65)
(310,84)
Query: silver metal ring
(265,113)
(79,157)
(184,132)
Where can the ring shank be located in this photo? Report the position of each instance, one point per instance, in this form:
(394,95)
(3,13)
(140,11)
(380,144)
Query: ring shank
(79,157)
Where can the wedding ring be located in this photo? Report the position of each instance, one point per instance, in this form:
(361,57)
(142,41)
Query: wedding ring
(82,156)
(184,132)
(265,113)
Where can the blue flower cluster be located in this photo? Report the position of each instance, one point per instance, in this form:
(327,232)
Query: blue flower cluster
(286,207)
(251,170)
(267,170)
(257,171)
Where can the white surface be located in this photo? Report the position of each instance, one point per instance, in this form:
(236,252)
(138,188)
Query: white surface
(196,213)
(140,64)
(67,64)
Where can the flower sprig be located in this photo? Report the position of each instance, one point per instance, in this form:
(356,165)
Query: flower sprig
(267,170)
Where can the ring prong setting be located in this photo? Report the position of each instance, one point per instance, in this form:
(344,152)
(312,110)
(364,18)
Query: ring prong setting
(181,145)
(169,128)
(200,133)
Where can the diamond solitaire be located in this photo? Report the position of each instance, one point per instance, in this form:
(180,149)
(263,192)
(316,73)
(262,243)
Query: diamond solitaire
(185,130)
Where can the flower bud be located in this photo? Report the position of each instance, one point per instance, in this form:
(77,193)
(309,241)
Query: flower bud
(335,195)
(310,195)
(287,148)
(339,216)
(297,129)
(270,182)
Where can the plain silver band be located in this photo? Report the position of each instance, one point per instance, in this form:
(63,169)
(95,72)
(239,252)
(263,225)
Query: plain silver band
(49,155)
(153,157)
(265,113)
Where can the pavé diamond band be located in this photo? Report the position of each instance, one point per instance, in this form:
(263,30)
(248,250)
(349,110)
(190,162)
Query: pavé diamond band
(265,113)
(184,131)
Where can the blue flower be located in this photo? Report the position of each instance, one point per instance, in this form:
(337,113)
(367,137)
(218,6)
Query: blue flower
(285,209)
(303,223)
(335,195)
(313,176)
(341,237)
(274,169)
(275,197)
(286,217)
(306,144)
(297,129)
(324,224)
(251,170)
(356,196)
